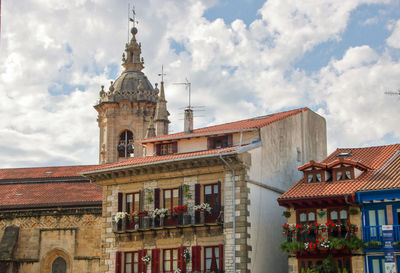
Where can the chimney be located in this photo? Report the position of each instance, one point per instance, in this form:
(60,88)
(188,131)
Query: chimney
(188,121)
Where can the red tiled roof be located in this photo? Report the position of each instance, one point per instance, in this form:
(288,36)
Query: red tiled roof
(371,157)
(253,123)
(44,194)
(388,177)
(42,172)
(158,159)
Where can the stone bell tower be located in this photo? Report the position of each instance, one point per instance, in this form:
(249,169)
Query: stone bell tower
(127,110)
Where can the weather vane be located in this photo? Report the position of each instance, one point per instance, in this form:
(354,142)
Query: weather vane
(133,18)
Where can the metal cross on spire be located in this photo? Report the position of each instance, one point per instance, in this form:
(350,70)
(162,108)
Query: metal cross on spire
(162,74)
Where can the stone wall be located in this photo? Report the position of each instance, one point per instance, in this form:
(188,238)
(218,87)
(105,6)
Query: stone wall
(50,234)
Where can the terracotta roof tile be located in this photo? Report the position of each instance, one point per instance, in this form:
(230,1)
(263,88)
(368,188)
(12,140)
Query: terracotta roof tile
(48,194)
(158,158)
(372,157)
(42,172)
(253,123)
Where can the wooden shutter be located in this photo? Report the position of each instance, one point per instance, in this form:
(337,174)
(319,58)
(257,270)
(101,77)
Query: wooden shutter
(157,198)
(180,201)
(197,188)
(155,260)
(219,196)
(174,147)
(221,257)
(181,260)
(210,143)
(118,262)
(140,262)
(120,196)
(158,149)
(196,258)
(230,141)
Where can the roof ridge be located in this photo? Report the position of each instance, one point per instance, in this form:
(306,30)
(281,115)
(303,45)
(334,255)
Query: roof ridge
(387,162)
(43,167)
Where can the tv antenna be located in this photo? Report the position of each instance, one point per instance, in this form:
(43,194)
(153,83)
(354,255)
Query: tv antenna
(188,87)
(390,93)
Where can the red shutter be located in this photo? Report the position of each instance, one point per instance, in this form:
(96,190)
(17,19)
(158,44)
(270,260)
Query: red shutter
(181,260)
(120,195)
(196,258)
(174,147)
(157,198)
(140,262)
(230,141)
(158,149)
(144,253)
(210,143)
(118,262)
(180,201)
(155,260)
(221,257)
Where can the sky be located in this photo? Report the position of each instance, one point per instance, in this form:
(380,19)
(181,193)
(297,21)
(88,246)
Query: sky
(243,58)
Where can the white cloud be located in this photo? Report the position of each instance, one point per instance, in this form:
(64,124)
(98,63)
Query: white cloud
(236,70)
(394,39)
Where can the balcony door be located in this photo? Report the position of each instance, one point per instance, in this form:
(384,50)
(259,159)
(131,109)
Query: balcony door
(376,218)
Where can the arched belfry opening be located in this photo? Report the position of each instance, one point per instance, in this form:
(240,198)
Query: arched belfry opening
(59,265)
(125,146)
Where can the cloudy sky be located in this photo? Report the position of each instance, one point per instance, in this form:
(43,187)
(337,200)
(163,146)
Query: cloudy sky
(244,58)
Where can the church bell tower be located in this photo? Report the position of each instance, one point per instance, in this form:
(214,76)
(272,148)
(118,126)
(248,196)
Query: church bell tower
(130,110)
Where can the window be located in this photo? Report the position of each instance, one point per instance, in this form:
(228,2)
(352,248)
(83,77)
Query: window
(343,173)
(376,264)
(59,266)
(125,146)
(219,142)
(132,201)
(338,215)
(376,218)
(305,218)
(167,148)
(132,262)
(171,199)
(170,260)
(212,197)
(341,262)
(213,258)
(314,176)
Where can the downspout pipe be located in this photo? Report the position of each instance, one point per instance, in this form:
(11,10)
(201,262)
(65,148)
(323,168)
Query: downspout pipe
(233,209)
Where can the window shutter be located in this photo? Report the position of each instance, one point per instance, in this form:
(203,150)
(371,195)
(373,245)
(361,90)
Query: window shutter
(221,257)
(197,188)
(118,262)
(196,258)
(181,260)
(158,149)
(180,201)
(230,141)
(140,262)
(155,260)
(174,147)
(210,143)
(157,198)
(120,196)
(219,196)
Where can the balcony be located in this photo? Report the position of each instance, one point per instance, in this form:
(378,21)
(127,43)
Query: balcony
(373,236)
(186,219)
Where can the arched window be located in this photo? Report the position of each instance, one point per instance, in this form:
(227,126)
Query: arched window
(59,266)
(125,145)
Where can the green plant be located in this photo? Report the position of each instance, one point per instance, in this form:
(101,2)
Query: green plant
(286,214)
(292,247)
(354,243)
(328,266)
(354,211)
(373,244)
(149,194)
(396,244)
(345,270)
(338,243)
(186,192)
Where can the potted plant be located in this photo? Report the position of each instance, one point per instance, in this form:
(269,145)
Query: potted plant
(286,214)
(292,247)
(354,243)
(373,245)
(337,243)
(287,228)
(354,211)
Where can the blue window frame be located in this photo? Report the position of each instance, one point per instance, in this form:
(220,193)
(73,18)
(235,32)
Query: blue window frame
(375,217)
(376,264)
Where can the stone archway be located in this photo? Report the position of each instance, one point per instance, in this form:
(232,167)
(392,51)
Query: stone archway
(56,261)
